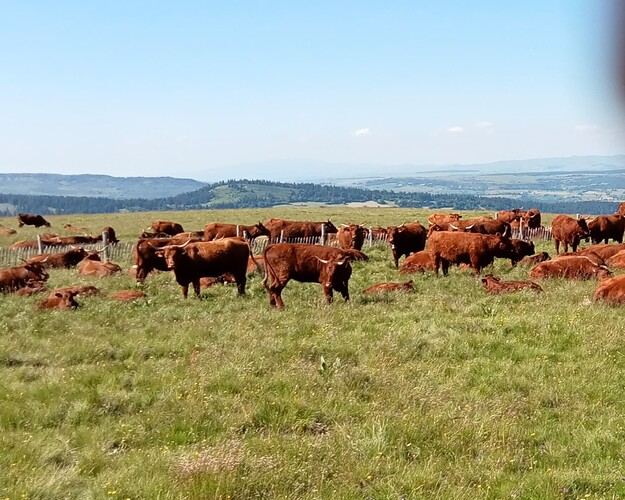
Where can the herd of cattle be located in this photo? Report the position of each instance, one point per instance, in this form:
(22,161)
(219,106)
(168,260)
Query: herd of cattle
(222,253)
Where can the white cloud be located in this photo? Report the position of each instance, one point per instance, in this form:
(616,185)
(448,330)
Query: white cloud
(455,130)
(586,127)
(361,131)
(483,124)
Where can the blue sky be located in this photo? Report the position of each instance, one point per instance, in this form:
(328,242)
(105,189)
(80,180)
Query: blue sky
(194,88)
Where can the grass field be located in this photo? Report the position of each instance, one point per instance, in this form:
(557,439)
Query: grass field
(444,393)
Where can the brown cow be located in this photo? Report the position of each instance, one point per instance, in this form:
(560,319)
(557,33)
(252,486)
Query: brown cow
(192,261)
(535,259)
(531,218)
(297,229)
(192,236)
(351,236)
(417,262)
(146,259)
(47,240)
(522,249)
(127,295)
(167,227)
(611,290)
(621,208)
(603,250)
(62,259)
(617,260)
(75,229)
(224,279)
(499,227)
(495,285)
(406,239)
(568,231)
(605,227)
(443,218)
(478,250)
(572,267)
(147,235)
(14,278)
(91,266)
(215,230)
(83,290)
(307,264)
(509,216)
(58,300)
(31,288)
(593,256)
(32,220)
(112,237)
(404,286)
(5,231)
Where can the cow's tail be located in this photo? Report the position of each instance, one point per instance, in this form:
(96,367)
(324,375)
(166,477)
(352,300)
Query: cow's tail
(270,274)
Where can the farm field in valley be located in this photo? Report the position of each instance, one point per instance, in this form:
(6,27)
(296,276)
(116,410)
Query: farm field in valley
(447,392)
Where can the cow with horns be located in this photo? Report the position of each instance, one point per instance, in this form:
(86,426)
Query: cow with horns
(406,239)
(14,278)
(68,259)
(297,229)
(216,230)
(351,236)
(568,231)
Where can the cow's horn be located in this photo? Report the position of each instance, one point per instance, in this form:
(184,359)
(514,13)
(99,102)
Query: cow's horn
(321,260)
(344,225)
(450,225)
(469,227)
(100,251)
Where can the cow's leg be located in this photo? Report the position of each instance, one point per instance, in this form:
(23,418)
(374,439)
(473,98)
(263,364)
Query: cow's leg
(196,287)
(327,291)
(343,290)
(445,266)
(556,242)
(437,263)
(241,279)
(395,259)
(185,290)
(278,299)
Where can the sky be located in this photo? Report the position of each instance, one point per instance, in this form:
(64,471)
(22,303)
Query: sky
(268,89)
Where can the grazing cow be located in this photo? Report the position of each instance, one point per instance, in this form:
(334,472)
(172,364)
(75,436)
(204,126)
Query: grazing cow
(32,220)
(127,295)
(443,218)
(167,227)
(14,278)
(603,250)
(478,250)
(406,239)
(573,267)
(5,231)
(215,230)
(58,300)
(531,218)
(417,262)
(404,286)
(351,236)
(509,216)
(307,264)
(605,227)
(192,261)
(522,249)
(83,290)
(68,259)
(146,259)
(568,231)
(495,285)
(535,259)
(297,229)
(90,266)
(611,290)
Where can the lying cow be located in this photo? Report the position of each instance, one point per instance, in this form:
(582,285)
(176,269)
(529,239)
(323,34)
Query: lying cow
(417,263)
(494,285)
(93,267)
(535,259)
(617,260)
(570,267)
(31,288)
(83,290)
(62,259)
(127,295)
(14,278)
(611,290)
(404,286)
(58,300)
(308,264)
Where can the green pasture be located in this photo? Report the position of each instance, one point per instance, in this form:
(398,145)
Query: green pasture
(443,393)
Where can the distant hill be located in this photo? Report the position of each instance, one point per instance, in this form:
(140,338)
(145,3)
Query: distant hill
(96,185)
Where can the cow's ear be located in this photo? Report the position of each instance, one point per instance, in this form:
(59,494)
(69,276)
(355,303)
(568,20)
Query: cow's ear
(58,295)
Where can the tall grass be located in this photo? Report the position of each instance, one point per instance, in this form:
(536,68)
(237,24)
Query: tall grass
(444,393)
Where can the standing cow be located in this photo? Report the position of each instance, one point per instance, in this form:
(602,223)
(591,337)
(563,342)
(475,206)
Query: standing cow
(146,258)
(406,239)
(568,231)
(531,218)
(477,250)
(32,220)
(215,230)
(308,264)
(509,216)
(297,229)
(192,261)
(351,236)
(605,227)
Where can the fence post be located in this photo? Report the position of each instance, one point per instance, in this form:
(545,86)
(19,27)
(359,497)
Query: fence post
(238,231)
(323,234)
(370,237)
(245,235)
(39,244)
(521,229)
(105,242)
(282,236)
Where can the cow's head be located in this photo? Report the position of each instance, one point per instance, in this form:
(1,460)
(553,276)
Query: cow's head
(335,270)
(454,217)
(330,228)
(172,253)
(261,230)
(603,273)
(37,271)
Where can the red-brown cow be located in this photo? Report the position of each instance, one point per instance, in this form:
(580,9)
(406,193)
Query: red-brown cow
(14,278)
(112,237)
(478,250)
(90,266)
(617,260)
(351,236)
(569,267)
(192,261)
(443,218)
(417,262)
(32,220)
(603,250)
(307,264)
(494,285)
(215,230)
(535,259)
(167,227)
(224,279)
(522,249)
(606,227)
(75,229)
(146,258)
(404,286)
(62,259)
(192,236)
(621,208)
(509,216)
(611,290)
(499,227)
(5,231)
(531,218)
(297,229)
(58,300)
(47,240)
(406,239)
(568,231)
(83,290)
(31,288)
(127,295)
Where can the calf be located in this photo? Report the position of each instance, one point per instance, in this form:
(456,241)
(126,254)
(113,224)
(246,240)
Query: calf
(570,267)
(535,259)
(405,286)
(417,262)
(495,285)
(58,300)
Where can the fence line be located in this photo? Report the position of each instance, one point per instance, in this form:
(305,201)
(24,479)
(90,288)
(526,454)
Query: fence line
(534,233)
